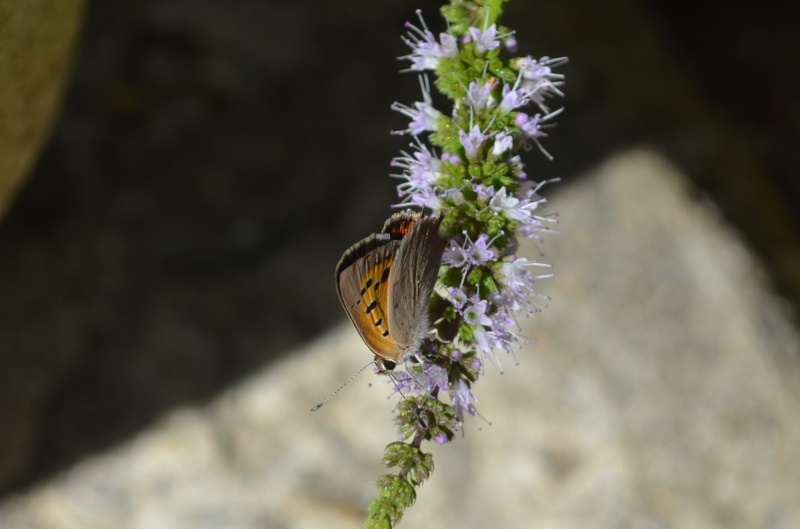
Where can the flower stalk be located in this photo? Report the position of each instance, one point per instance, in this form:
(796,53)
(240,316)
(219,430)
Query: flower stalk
(465,165)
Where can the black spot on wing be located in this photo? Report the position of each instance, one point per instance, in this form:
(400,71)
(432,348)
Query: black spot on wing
(365,287)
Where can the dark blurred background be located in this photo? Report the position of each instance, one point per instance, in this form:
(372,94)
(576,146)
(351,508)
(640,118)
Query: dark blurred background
(209,162)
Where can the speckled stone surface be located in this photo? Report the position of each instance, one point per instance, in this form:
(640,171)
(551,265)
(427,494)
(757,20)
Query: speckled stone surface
(663,392)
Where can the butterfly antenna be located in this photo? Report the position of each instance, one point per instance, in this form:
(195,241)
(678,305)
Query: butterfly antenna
(421,363)
(396,381)
(318,406)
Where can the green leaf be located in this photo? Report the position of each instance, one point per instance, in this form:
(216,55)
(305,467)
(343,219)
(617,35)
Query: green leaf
(395,494)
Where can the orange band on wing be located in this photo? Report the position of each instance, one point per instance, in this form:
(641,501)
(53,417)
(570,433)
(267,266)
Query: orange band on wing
(368,310)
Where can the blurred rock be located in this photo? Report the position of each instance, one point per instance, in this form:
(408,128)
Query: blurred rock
(37,38)
(663,392)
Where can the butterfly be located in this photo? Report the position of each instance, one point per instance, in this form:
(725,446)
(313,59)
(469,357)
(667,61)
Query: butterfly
(385,283)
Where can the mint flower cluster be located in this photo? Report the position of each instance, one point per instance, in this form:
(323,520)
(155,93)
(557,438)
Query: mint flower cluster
(465,166)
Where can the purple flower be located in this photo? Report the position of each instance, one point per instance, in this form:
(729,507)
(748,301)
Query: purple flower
(425,50)
(449,44)
(478,252)
(484,192)
(463,399)
(454,255)
(516,276)
(475,313)
(485,40)
(421,169)
(423,380)
(423,115)
(502,142)
(472,141)
(501,336)
(425,198)
(517,167)
(478,95)
(531,126)
(451,158)
(440,438)
(458,298)
(538,80)
(511,206)
(511,44)
(513,99)
(506,300)
(472,253)
(533,226)
(518,280)
(455,196)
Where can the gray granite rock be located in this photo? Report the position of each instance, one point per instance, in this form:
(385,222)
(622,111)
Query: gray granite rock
(663,391)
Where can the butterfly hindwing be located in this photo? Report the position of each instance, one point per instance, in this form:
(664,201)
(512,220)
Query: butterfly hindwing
(362,279)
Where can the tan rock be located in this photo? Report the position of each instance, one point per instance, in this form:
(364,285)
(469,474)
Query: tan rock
(37,38)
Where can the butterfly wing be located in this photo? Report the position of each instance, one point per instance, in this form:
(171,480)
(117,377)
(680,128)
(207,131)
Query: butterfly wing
(411,282)
(399,224)
(362,282)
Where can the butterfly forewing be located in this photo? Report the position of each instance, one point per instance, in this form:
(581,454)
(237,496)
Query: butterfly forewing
(412,278)
(363,277)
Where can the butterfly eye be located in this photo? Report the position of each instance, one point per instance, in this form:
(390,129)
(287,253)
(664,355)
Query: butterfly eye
(385,365)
